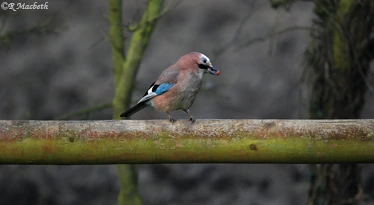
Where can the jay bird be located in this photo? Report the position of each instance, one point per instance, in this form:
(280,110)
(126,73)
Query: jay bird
(177,86)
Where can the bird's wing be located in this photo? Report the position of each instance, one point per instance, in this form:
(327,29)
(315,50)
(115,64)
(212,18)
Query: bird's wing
(164,82)
(169,75)
(155,90)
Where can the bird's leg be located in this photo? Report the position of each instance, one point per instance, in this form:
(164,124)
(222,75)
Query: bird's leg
(171,119)
(189,114)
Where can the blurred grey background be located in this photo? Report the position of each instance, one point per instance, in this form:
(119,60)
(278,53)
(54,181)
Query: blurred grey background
(46,76)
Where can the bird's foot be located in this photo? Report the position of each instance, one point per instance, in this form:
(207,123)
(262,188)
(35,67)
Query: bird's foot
(172,120)
(192,120)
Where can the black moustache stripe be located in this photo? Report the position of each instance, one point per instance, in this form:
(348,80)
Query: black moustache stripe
(202,66)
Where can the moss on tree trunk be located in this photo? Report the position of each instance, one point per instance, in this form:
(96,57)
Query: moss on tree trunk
(339,65)
(338,59)
(125,67)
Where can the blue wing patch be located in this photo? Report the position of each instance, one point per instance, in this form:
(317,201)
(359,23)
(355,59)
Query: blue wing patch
(155,90)
(163,88)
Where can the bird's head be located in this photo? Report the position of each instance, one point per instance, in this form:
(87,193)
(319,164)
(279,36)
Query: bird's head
(198,61)
(206,66)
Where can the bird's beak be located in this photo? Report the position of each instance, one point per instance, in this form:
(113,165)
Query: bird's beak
(213,71)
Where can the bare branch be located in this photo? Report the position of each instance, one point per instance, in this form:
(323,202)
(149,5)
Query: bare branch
(85,111)
(132,27)
(265,38)
(218,51)
(43,28)
(102,39)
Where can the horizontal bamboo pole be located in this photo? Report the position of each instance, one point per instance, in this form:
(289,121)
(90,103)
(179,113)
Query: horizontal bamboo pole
(205,141)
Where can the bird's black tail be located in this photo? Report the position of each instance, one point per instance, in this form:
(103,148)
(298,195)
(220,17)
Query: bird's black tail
(134,109)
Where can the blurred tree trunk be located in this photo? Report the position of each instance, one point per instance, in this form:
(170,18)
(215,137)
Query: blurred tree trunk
(125,67)
(338,60)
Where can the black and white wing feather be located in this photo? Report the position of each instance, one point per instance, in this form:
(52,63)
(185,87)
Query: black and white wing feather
(153,91)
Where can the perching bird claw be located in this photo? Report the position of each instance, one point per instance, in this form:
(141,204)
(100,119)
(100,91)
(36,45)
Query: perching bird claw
(172,120)
(192,120)
(177,86)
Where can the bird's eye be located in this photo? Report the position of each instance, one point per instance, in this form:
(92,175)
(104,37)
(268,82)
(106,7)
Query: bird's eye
(204,60)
